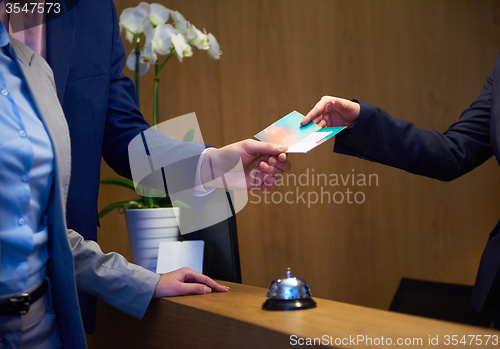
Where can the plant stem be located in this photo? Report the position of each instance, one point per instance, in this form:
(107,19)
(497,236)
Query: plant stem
(136,70)
(158,68)
(155,96)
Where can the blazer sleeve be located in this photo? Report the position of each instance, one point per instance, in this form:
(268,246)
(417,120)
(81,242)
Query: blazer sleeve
(465,145)
(126,286)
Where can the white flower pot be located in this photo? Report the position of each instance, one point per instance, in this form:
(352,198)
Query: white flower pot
(146,229)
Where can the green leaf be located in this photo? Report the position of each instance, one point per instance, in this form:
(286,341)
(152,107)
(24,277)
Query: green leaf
(150,192)
(116,205)
(189,136)
(127,183)
(150,202)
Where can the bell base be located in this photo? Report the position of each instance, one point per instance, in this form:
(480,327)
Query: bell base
(289,304)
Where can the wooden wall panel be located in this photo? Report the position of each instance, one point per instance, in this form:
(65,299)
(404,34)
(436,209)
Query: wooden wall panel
(423,61)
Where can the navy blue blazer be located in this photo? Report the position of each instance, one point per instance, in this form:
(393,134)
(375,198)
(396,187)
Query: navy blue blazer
(469,142)
(86,54)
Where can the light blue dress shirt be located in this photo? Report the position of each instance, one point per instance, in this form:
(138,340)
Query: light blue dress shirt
(26,177)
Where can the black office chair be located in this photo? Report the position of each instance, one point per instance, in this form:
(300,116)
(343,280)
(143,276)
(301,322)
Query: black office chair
(437,300)
(221,258)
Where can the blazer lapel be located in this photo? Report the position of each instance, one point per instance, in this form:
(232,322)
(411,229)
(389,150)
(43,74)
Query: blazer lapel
(60,38)
(38,77)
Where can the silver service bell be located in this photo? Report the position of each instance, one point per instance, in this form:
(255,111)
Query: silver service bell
(290,293)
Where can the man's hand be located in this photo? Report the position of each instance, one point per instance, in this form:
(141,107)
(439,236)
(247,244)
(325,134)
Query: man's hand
(186,281)
(262,162)
(249,164)
(332,112)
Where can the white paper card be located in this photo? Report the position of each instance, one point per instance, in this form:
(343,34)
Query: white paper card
(173,255)
(310,142)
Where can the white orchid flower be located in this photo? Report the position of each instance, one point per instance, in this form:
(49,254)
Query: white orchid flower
(190,34)
(160,38)
(148,52)
(144,62)
(181,46)
(158,14)
(142,9)
(147,55)
(126,22)
(150,20)
(214,50)
(197,38)
(180,22)
(130,23)
(133,19)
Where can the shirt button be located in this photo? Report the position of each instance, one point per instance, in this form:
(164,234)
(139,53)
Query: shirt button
(22,133)
(24,178)
(21,221)
(5,93)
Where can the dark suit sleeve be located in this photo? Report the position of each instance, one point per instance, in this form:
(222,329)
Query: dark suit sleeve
(124,120)
(466,144)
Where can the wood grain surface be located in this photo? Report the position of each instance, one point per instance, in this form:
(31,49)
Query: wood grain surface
(236,320)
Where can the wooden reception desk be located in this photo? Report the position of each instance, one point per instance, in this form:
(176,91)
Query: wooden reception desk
(236,320)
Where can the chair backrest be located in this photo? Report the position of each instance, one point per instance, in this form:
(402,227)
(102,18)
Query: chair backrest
(221,258)
(443,301)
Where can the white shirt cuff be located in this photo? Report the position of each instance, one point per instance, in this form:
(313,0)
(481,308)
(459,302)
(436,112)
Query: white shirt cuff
(199,189)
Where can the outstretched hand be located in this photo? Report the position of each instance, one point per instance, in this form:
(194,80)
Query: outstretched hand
(186,281)
(261,164)
(333,112)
